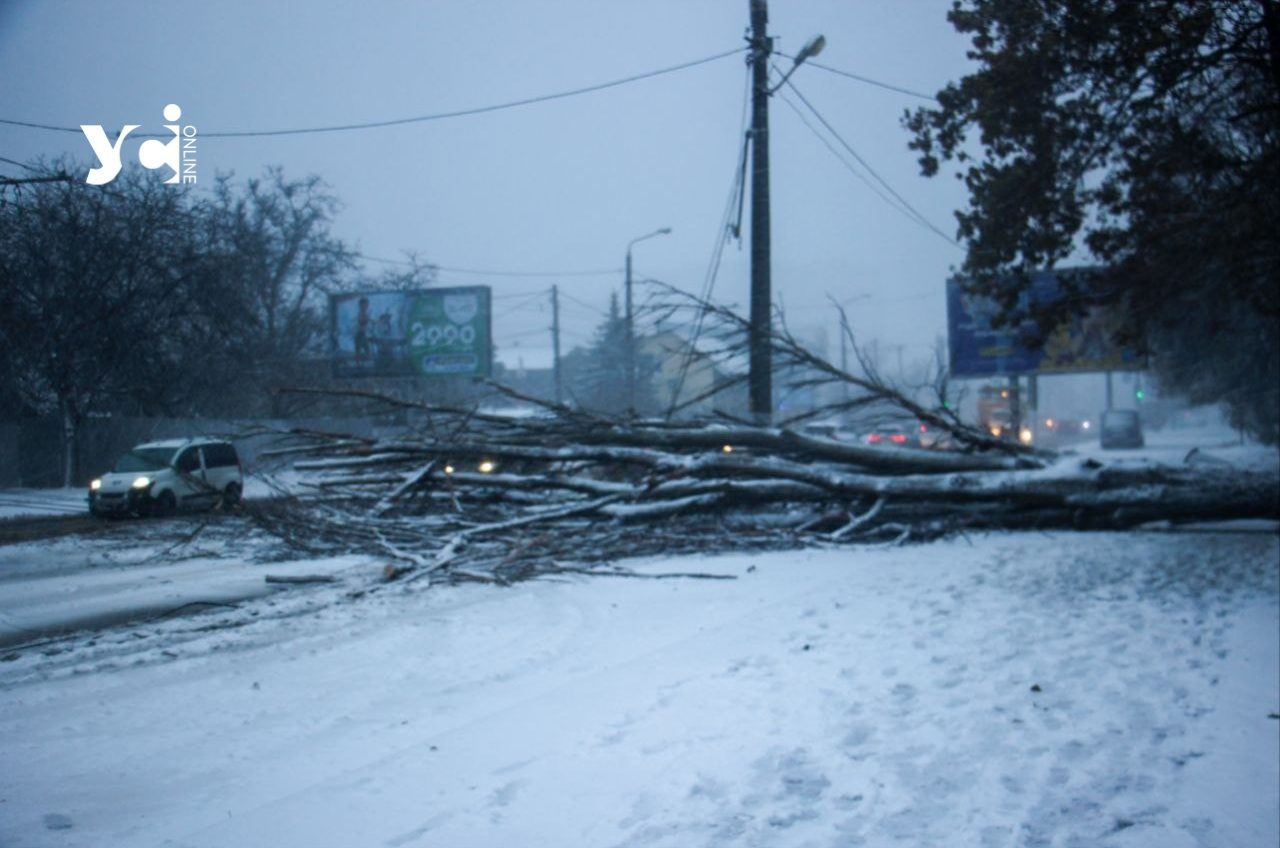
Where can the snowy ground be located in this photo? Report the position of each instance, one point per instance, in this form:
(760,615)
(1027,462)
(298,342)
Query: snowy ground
(32,503)
(15,503)
(1006,690)
(1171,445)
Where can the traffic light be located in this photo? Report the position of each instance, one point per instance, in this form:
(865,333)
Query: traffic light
(1139,394)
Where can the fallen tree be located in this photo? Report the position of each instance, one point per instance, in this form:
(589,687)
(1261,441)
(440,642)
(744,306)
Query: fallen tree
(472,495)
(502,500)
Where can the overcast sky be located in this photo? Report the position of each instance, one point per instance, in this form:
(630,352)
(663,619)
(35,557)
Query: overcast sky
(556,186)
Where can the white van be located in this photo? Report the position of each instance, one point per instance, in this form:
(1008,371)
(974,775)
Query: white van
(158,478)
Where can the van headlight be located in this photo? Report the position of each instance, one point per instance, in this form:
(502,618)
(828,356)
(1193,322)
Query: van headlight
(141,482)
(95,485)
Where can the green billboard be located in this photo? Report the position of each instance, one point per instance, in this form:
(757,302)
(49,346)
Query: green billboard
(444,332)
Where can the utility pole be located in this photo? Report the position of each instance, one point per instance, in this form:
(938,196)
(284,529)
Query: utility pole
(555,341)
(629,358)
(844,355)
(760,378)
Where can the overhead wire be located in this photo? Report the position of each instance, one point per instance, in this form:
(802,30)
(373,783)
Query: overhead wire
(863,79)
(19,164)
(436,116)
(583,304)
(519,305)
(736,193)
(915,213)
(580,272)
(826,142)
(515,295)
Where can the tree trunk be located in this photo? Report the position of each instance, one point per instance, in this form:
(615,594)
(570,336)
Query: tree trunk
(70,429)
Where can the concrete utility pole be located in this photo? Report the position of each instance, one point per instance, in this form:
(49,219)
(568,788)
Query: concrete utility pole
(759,343)
(760,377)
(555,342)
(844,356)
(629,355)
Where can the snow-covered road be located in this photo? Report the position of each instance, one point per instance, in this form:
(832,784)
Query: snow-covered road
(1027,689)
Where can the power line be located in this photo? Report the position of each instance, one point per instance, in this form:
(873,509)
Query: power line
(515,295)
(867,80)
(597,272)
(17,181)
(582,303)
(915,213)
(521,305)
(736,194)
(826,142)
(19,164)
(437,116)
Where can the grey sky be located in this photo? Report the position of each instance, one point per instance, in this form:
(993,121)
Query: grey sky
(552,186)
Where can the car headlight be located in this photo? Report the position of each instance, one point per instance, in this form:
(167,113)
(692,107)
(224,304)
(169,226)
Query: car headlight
(95,485)
(486,467)
(141,482)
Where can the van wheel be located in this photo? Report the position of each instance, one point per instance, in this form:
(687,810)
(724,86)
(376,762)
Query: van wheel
(231,495)
(166,504)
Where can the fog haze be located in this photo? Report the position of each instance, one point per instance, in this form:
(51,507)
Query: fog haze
(556,186)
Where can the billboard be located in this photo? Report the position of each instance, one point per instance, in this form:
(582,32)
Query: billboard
(444,332)
(978,349)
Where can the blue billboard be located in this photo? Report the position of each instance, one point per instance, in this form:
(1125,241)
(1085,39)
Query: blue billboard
(978,349)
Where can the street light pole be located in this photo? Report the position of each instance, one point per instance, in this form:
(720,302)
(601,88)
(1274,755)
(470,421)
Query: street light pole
(630,353)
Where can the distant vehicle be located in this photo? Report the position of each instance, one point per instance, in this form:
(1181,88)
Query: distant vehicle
(1069,427)
(898,435)
(158,478)
(821,431)
(1121,428)
(935,438)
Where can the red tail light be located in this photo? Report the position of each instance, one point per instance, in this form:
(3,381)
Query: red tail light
(874,438)
(898,438)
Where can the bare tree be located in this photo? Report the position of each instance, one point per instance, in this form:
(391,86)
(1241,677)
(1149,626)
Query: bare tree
(274,238)
(92,277)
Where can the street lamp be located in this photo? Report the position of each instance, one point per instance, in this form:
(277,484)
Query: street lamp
(630,318)
(811,48)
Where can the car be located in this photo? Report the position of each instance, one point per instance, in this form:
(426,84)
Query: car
(899,435)
(935,438)
(1121,428)
(159,478)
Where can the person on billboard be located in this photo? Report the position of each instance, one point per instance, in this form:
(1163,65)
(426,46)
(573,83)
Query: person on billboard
(383,343)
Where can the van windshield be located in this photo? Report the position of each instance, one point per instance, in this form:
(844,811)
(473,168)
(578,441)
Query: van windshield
(144,459)
(1122,419)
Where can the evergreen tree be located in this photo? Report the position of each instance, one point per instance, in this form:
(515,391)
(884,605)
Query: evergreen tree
(600,381)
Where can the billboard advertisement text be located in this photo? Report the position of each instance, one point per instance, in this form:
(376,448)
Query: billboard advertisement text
(443,332)
(978,349)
